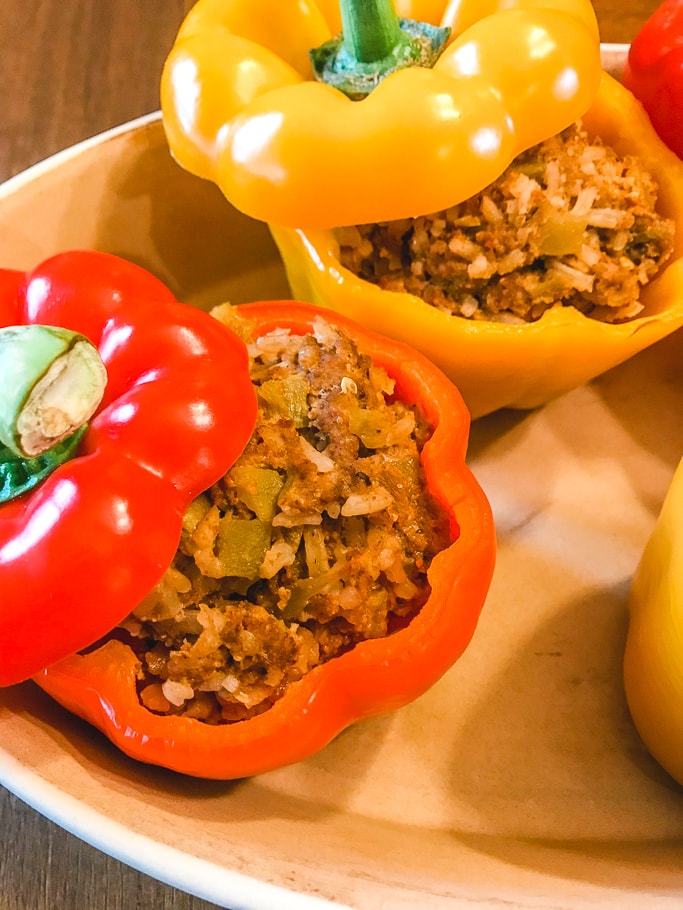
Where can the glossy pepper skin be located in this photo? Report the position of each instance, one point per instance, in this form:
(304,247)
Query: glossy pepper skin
(654,71)
(653,662)
(375,676)
(521,366)
(79,551)
(240,106)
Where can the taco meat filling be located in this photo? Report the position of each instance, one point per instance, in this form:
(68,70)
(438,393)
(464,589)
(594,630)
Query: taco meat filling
(319,537)
(569,221)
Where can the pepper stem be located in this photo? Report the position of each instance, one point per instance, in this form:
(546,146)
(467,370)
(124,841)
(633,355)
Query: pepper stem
(371,29)
(52,382)
(19,475)
(374,43)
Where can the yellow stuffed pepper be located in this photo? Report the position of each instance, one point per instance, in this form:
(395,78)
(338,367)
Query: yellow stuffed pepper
(653,664)
(243,107)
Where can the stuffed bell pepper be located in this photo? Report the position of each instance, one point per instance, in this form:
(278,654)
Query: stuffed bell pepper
(460,176)
(264,531)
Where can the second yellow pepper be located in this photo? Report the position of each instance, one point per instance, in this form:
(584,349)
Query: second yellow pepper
(653,664)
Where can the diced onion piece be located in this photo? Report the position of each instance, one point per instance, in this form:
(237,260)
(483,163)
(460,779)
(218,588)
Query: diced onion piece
(322,461)
(177,693)
(374,500)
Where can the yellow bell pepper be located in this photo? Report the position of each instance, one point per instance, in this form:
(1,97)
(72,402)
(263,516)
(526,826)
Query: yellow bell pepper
(497,365)
(241,108)
(653,662)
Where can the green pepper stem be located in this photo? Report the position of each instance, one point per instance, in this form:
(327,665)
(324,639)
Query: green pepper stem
(52,382)
(19,475)
(373,44)
(371,29)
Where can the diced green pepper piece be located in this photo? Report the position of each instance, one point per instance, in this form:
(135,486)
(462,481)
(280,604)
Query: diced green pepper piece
(258,488)
(404,463)
(194,513)
(534,168)
(288,397)
(562,234)
(242,546)
(306,588)
(551,285)
(371,427)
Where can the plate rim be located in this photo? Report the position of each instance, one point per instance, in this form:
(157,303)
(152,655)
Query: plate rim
(167,864)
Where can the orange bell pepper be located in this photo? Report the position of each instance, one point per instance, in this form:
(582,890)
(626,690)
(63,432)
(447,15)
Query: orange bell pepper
(240,107)
(376,675)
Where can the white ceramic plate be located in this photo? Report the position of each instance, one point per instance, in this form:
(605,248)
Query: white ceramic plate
(518,780)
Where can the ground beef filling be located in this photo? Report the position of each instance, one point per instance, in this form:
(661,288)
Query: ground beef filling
(319,537)
(569,221)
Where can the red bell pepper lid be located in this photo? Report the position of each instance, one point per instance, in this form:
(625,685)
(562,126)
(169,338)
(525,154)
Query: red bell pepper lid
(80,547)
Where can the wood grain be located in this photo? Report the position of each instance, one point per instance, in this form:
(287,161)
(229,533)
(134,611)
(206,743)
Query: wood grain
(619,20)
(43,867)
(72,68)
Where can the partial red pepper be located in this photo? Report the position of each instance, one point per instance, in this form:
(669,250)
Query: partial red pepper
(654,72)
(376,675)
(79,551)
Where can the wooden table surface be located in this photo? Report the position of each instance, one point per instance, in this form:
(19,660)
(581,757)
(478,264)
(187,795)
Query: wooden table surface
(72,68)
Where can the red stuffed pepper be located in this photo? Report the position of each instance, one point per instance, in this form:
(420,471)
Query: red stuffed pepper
(110,685)
(81,548)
